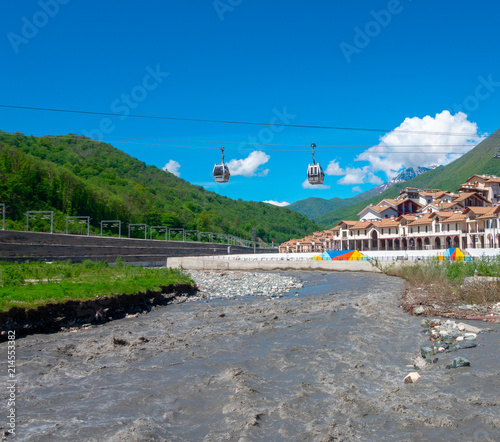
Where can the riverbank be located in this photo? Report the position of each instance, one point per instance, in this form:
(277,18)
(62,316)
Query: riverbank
(47,297)
(71,315)
(459,290)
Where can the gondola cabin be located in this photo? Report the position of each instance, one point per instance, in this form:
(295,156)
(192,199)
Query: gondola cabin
(221,173)
(315,174)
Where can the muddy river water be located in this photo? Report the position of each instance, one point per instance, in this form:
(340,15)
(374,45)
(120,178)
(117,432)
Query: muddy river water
(325,364)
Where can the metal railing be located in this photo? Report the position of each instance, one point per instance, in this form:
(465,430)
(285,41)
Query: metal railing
(116,225)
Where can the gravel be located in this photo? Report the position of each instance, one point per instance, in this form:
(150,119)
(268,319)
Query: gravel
(214,284)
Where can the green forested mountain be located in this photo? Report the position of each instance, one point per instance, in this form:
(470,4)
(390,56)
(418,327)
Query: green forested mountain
(314,207)
(477,161)
(76,176)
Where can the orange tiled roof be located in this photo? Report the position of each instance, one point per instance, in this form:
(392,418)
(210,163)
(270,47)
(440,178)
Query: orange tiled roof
(456,217)
(387,222)
(360,225)
(425,219)
(407,217)
(349,222)
(479,210)
(450,205)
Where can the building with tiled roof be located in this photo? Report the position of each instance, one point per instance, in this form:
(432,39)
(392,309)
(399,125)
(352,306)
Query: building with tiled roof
(487,185)
(417,220)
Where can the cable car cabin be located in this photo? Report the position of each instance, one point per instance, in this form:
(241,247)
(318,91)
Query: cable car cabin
(221,173)
(315,174)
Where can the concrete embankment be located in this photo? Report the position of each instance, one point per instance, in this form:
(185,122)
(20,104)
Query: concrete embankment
(258,263)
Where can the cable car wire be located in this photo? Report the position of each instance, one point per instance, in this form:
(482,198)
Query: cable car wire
(253,123)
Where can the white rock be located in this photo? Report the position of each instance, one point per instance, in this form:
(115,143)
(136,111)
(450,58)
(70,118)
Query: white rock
(411,378)
(469,328)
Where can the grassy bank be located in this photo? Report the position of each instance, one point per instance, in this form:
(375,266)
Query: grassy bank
(443,282)
(30,285)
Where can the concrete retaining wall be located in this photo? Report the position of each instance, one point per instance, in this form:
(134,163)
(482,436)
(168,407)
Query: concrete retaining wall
(205,263)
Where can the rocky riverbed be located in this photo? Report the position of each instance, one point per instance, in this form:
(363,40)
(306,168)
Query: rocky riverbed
(230,285)
(322,361)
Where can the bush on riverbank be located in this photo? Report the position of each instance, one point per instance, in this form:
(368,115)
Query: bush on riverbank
(30,285)
(445,280)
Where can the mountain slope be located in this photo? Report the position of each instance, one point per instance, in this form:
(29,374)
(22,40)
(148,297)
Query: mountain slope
(74,175)
(314,208)
(477,161)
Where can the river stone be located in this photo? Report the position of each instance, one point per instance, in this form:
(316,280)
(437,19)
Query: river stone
(418,310)
(411,378)
(426,352)
(468,328)
(420,362)
(459,362)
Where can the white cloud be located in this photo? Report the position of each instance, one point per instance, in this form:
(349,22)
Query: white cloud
(334,168)
(411,144)
(356,175)
(357,189)
(307,185)
(248,167)
(277,203)
(172,167)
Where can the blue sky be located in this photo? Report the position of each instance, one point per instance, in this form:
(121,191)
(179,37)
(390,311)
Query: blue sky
(410,68)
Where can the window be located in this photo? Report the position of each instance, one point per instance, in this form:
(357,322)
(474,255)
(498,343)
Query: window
(418,229)
(411,229)
(456,226)
(448,227)
(437,228)
(389,230)
(382,231)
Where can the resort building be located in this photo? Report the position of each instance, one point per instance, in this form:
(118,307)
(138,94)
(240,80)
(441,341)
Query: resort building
(418,220)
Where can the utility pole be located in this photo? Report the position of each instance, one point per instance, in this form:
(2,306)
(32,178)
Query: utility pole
(254,231)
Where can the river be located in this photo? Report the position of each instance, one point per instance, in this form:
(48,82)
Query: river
(324,364)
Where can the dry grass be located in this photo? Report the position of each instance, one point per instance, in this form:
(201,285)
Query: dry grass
(439,286)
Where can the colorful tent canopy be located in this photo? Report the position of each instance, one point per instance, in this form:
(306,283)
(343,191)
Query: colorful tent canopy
(453,255)
(343,255)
